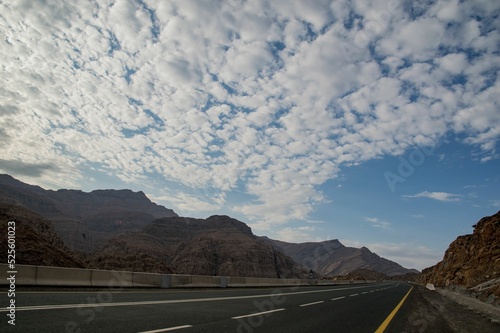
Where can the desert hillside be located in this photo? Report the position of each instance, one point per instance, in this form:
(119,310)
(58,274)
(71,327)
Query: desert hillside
(85,221)
(218,245)
(125,230)
(37,243)
(472,262)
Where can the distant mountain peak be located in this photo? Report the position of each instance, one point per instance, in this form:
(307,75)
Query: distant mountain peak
(331,258)
(120,193)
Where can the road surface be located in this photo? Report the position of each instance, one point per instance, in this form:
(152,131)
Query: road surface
(345,308)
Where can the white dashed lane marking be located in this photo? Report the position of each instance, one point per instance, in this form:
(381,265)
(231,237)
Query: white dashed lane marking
(257,314)
(313,303)
(167,329)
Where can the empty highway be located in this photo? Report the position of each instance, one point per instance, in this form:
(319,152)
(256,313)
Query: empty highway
(343,308)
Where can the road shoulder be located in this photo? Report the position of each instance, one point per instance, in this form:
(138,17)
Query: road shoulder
(429,311)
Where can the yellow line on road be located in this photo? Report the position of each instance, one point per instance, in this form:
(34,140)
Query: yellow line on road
(387,320)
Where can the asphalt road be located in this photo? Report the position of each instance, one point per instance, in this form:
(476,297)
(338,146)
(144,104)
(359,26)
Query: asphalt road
(347,308)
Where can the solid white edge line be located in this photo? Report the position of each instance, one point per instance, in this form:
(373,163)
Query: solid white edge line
(337,298)
(167,329)
(92,305)
(258,313)
(313,303)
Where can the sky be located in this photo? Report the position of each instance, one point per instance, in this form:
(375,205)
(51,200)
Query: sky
(372,122)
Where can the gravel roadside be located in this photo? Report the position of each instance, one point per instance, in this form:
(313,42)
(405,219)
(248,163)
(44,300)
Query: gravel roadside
(427,311)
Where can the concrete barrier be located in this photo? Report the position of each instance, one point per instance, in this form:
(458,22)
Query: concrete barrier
(261,282)
(3,274)
(296,282)
(342,282)
(190,281)
(204,281)
(256,282)
(111,279)
(269,282)
(58,276)
(4,268)
(290,282)
(166,281)
(236,282)
(146,280)
(25,274)
(220,281)
(180,281)
(242,282)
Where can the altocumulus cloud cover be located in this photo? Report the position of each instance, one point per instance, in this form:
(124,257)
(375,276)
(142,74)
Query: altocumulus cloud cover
(285,114)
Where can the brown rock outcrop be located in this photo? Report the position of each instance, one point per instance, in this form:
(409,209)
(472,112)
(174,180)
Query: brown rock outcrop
(218,245)
(472,262)
(37,243)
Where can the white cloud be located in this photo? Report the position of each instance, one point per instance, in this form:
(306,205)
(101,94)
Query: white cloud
(440,196)
(378,223)
(186,202)
(416,39)
(408,255)
(295,235)
(454,63)
(270,98)
(449,11)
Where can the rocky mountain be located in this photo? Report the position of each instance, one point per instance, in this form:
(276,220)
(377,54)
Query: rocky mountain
(472,262)
(366,274)
(37,243)
(218,245)
(124,230)
(331,258)
(84,220)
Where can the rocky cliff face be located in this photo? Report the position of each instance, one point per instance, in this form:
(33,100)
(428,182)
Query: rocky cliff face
(219,245)
(37,243)
(84,220)
(331,258)
(472,261)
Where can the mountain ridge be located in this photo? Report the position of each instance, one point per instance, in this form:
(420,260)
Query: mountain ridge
(84,220)
(123,229)
(218,245)
(330,258)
